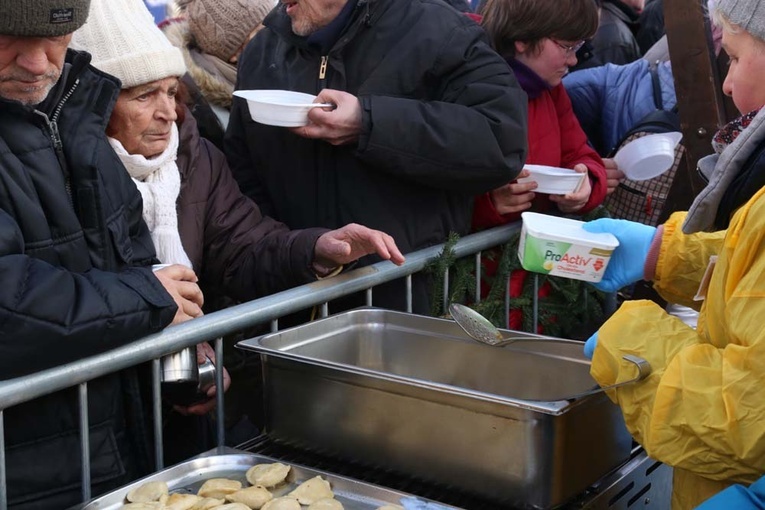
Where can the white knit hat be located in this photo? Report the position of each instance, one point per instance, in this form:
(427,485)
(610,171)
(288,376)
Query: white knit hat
(125,42)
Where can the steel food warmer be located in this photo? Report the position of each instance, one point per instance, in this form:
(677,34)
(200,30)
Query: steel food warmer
(414,396)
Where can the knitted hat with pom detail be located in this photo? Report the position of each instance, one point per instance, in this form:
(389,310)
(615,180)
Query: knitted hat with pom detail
(221,27)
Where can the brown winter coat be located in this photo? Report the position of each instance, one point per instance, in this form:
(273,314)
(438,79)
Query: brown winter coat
(227,239)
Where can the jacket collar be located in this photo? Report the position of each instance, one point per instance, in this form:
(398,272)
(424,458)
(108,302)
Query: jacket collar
(326,37)
(530,82)
(364,13)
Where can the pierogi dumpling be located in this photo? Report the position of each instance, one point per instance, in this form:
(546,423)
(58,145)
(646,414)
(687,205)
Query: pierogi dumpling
(326,504)
(253,497)
(149,505)
(149,491)
(181,501)
(219,488)
(207,503)
(267,475)
(283,503)
(312,490)
(233,506)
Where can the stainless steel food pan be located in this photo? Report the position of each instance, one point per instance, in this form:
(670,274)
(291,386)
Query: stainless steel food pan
(188,477)
(414,394)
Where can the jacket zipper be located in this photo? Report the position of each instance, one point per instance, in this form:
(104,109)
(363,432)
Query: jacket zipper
(323,71)
(55,136)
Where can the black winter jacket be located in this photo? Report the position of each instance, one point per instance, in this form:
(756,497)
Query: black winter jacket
(443,120)
(74,257)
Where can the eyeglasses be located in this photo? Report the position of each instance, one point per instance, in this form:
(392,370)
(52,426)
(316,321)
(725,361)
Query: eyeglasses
(569,49)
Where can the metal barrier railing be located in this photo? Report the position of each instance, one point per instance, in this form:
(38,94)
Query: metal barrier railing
(215,326)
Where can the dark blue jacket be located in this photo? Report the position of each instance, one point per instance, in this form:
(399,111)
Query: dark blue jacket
(74,262)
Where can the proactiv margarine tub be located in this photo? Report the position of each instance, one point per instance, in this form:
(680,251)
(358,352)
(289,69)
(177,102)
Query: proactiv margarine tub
(561,247)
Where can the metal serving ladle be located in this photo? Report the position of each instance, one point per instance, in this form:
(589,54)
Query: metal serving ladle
(479,328)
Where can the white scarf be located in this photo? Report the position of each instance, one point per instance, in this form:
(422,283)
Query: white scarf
(159,182)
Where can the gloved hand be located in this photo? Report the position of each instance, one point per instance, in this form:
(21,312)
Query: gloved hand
(590,344)
(628,259)
(412,503)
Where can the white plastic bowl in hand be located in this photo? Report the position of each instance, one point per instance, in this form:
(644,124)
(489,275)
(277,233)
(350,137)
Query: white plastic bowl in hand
(552,180)
(649,156)
(279,107)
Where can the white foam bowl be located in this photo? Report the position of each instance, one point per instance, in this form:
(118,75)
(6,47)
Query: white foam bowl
(553,180)
(649,156)
(279,107)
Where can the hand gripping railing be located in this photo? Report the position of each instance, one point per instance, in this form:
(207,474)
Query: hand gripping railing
(214,326)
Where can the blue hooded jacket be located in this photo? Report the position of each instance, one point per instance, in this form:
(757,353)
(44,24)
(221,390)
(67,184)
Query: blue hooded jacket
(609,100)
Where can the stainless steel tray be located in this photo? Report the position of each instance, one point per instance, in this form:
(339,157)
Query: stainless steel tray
(188,477)
(414,394)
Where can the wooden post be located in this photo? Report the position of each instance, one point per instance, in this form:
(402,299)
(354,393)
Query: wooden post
(698,86)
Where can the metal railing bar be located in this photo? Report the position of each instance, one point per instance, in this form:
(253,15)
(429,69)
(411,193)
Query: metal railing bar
(446,291)
(507,302)
(478,277)
(409,293)
(156,401)
(369,297)
(220,411)
(84,440)
(535,301)
(324,312)
(236,318)
(274,325)
(3,475)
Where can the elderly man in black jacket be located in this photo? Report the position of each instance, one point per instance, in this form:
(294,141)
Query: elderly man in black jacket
(427,116)
(75,258)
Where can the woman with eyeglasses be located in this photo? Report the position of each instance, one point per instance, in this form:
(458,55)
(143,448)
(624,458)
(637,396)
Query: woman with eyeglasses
(539,39)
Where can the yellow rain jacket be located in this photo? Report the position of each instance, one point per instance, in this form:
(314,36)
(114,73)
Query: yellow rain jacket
(702,410)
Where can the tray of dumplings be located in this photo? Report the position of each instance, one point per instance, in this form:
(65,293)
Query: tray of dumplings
(229,479)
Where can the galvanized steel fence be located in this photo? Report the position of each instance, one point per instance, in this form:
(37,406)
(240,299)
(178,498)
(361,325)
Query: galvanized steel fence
(216,325)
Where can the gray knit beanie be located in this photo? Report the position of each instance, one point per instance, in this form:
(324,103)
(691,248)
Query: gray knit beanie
(748,14)
(42,18)
(221,27)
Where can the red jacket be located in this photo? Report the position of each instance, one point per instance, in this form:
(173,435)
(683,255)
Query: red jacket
(555,139)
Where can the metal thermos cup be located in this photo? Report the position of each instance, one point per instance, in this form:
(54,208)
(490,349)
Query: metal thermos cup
(180,367)
(184,381)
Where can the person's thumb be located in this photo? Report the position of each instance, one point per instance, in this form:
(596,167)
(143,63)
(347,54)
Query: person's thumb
(590,344)
(337,248)
(599,226)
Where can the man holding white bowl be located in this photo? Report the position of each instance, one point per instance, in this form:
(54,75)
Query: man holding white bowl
(426,116)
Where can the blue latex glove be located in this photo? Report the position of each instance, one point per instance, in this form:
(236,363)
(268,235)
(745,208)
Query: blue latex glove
(628,259)
(738,497)
(412,503)
(590,344)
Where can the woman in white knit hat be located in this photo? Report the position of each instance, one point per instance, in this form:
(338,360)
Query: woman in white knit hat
(702,409)
(193,207)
